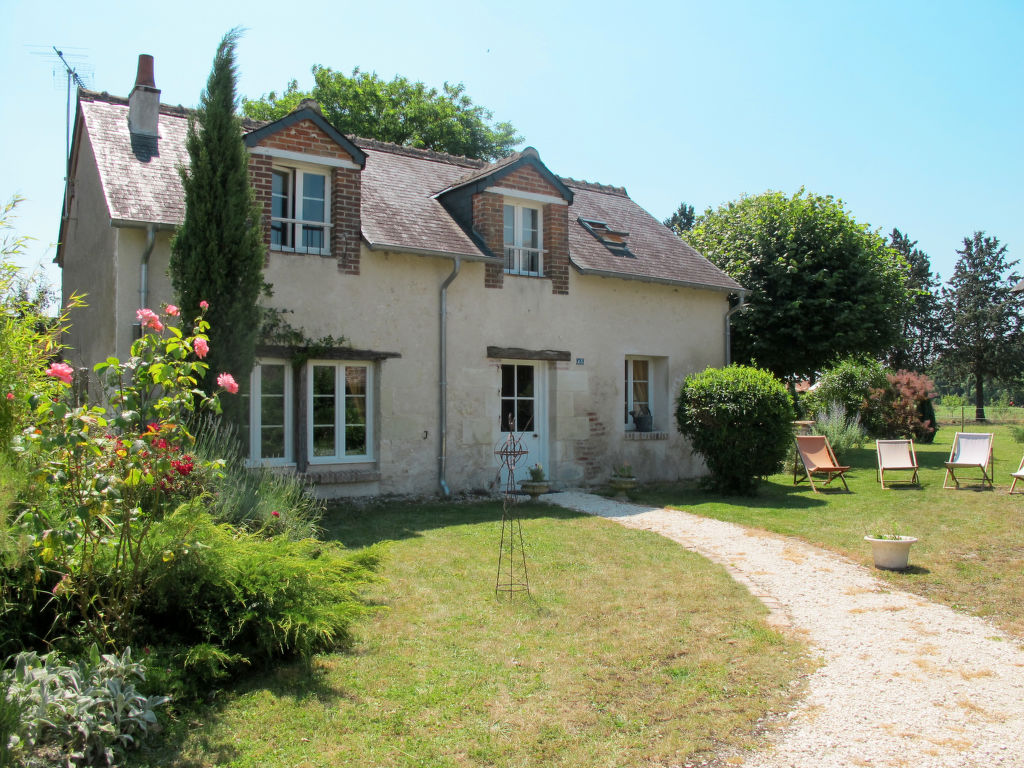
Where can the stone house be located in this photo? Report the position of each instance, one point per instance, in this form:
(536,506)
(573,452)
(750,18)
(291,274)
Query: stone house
(474,298)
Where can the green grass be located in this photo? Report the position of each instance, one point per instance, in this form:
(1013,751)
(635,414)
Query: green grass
(632,651)
(970,552)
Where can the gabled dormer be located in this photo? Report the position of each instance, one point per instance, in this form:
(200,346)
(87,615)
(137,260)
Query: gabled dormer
(307,178)
(518,210)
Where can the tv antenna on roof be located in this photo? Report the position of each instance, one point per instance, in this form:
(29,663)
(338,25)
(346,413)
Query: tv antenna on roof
(75,78)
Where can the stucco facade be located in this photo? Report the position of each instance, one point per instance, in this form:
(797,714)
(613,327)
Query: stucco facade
(565,304)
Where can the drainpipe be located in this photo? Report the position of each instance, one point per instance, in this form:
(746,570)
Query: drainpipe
(144,265)
(442,459)
(728,316)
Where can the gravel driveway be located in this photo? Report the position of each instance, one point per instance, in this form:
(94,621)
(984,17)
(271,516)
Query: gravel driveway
(903,681)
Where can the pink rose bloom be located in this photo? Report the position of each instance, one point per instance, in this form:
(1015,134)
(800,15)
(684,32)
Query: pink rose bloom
(10,395)
(227,381)
(172,310)
(204,305)
(275,513)
(149,319)
(60,371)
(201,347)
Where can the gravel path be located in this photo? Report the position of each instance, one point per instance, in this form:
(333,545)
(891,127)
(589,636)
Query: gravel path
(903,681)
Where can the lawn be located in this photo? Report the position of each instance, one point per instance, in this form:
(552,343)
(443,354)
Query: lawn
(631,651)
(970,552)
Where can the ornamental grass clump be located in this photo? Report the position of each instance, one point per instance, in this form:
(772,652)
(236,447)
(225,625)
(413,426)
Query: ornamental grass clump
(843,431)
(739,419)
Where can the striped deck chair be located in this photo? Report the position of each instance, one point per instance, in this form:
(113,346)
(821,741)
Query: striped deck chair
(1018,475)
(970,450)
(818,459)
(896,455)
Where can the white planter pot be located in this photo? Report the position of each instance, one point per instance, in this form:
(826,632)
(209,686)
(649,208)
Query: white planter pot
(535,488)
(891,554)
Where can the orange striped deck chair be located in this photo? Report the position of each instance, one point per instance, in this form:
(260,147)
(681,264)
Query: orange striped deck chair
(817,456)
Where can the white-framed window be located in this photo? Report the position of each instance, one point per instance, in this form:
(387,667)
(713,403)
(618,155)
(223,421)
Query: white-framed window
(268,431)
(300,210)
(524,239)
(340,406)
(638,388)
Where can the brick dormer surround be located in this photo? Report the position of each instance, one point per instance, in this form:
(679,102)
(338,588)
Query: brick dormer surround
(306,142)
(488,221)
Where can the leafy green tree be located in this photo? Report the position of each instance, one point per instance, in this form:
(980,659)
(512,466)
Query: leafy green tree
(682,220)
(822,286)
(217,254)
(398,111)
(920,326)
(983,337)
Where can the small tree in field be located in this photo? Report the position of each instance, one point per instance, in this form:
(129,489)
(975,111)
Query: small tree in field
(983,336)
(217,254)
(739,420)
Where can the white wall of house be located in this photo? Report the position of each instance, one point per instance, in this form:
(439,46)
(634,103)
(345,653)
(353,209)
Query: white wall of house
(392,306)
(90,256)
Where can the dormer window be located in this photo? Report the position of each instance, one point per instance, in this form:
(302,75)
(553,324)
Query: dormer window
(300,211)
(523,240)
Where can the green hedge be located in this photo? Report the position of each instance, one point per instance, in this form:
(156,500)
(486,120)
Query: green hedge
(739,419)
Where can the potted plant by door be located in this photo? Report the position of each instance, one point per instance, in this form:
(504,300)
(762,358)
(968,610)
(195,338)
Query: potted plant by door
(622,480)
(890,550)
(537,484)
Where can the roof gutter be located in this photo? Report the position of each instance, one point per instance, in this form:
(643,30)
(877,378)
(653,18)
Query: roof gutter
(741,292)
(442,394)
(428,252)
(160,226)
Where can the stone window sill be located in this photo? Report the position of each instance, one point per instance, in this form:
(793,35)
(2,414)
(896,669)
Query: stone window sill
(341,476)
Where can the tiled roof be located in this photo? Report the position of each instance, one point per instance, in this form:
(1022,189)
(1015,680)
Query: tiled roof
(659,253)
(400,209)
(139,175)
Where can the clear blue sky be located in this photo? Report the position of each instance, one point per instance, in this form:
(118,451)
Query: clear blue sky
(911,112)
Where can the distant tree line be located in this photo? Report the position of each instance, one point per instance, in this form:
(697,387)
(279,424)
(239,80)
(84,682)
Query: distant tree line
(824,287)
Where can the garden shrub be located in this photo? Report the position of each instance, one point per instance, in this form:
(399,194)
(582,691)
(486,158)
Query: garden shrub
(842,430)
(739,419)
(902,408)
(97,485)
(88,711)
(235,598)
(249,497)
(849,383)
(118,537)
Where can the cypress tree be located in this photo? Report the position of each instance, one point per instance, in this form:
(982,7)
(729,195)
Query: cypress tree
(217,254)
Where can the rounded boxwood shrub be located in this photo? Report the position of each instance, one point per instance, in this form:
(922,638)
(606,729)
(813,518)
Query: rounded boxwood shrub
(739,419)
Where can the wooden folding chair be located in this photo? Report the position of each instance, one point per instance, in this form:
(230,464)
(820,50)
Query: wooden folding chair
(1018,475)
(896,455)
(970,450)
(816,454)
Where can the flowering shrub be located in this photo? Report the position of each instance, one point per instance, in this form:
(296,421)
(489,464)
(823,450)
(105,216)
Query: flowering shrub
(903,407)
(842,430)
(99,482)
